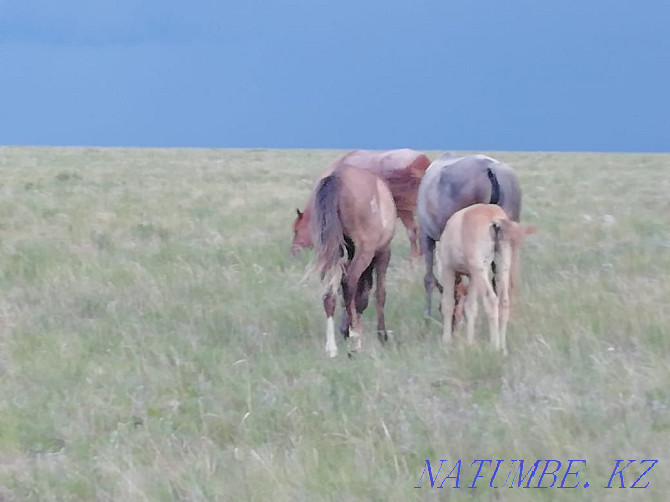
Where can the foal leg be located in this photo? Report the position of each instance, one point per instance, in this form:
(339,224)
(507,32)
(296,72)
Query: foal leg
(481,283)
(355,269)
(460,295)
(471,311)
(429,280)
(381,262)
(407,218)
(329,307)
(503,278)
(449,283)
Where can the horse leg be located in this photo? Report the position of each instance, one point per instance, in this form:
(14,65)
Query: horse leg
(364,287)
(482,284)
(345,321)
(407,218)
(355,270)
(471,311)
(449,282)
(329,307)
(346,298)
(503,278)
(429,280)
(381,262)
(460,296)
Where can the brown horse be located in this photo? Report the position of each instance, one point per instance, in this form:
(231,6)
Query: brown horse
(474,238)
(401,169)
(353,224)
(452,183)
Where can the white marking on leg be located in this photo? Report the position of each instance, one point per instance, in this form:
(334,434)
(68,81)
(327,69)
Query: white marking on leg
(331,346)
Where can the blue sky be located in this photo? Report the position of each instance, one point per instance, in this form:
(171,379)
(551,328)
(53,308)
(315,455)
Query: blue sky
(428,74)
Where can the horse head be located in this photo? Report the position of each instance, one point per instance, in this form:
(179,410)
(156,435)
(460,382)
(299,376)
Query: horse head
(302,237)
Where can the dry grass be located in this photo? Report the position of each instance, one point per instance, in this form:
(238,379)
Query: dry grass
(156,342)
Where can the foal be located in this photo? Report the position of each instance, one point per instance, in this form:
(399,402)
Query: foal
(473,239)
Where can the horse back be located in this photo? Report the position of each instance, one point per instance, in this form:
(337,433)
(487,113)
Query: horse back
(402,170)
(451,184)
(366,206)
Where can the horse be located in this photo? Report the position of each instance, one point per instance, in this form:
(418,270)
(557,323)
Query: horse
(453,183)
(352,227)
(474,238)
(401,169)
(460,292)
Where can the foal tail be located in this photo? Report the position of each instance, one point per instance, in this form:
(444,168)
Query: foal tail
(509,232)
(512,233)
(327,229)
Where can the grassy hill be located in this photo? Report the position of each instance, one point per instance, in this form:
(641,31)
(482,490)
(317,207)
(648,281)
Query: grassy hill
(157,343)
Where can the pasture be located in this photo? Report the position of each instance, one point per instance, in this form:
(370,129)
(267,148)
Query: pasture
(157,343)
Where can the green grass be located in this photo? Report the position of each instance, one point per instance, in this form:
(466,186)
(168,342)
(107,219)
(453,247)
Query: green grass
(157,343)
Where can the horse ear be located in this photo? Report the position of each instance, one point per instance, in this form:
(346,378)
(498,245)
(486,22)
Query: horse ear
(530,229)
(299,213)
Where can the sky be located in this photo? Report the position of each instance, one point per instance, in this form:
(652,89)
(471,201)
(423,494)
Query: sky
(532,75)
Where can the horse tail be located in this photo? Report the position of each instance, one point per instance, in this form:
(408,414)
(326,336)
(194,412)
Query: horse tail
(496,194)
(327,228)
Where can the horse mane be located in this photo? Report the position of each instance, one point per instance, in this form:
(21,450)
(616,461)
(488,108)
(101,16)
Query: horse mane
(327,229)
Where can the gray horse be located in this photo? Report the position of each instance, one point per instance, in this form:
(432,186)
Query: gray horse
(452,183)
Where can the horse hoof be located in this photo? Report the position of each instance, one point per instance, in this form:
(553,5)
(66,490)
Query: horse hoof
(382,335)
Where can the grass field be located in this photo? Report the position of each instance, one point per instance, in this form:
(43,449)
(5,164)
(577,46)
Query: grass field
(157,343)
